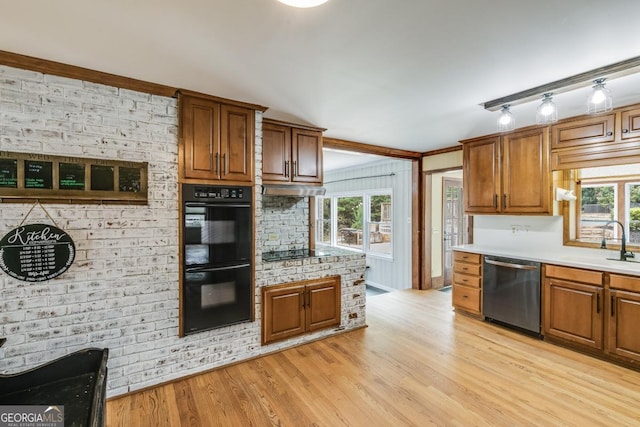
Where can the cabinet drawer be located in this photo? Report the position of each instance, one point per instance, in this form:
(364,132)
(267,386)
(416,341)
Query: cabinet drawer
(466,298)
(626,283)
(586,131)
(467,257)
(630,124)
(574,274)
(471,269)
(466,280)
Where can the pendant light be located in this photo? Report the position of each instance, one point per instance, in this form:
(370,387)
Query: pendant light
(505,119)
(303,3)
(547,111)
(599,100)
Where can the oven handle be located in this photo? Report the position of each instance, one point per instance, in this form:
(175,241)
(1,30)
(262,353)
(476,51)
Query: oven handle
(216,205)
(510,265)
(205,269)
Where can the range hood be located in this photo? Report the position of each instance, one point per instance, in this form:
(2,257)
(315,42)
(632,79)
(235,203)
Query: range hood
(293,190)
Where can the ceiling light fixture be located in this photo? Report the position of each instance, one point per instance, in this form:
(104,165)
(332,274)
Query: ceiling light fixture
(611,71)
(547,111)
(303,3)
(505,120)
(599,100)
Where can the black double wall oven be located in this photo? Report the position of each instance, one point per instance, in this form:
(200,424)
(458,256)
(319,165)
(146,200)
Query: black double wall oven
(217,256)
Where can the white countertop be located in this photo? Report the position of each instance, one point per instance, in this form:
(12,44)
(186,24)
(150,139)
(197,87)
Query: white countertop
(593,259)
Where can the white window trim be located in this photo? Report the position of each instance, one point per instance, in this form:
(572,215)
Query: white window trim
(366,220)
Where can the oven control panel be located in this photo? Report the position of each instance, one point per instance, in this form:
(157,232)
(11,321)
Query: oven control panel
(203,193)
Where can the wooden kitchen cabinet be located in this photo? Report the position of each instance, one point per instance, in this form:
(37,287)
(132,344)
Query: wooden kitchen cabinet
(217,141)
(508,174)
(605,139)
(623,317)
(583,131)
(573,306)
(291,153)
(293,309)
(630,123)
(467,282)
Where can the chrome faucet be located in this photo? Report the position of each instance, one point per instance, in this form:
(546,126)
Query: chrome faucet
(623,246)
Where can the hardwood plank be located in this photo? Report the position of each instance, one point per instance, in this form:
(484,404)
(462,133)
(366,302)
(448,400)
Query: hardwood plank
(417,364)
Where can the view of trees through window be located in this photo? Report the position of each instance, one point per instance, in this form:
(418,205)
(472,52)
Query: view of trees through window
(353,215)
(601,202)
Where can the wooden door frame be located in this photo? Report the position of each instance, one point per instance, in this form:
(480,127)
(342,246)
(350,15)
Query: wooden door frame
(416,196)
(427,183)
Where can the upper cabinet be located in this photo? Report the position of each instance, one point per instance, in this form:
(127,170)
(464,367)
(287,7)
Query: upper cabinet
(508,174)
(600,140)
(291,153)
(217,140)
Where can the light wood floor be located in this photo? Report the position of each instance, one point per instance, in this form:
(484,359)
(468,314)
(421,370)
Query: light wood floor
(416,364)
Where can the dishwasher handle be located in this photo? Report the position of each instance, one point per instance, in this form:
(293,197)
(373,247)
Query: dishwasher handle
(511,265)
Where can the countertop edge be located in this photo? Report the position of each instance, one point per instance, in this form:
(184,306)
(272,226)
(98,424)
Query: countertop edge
(591,259)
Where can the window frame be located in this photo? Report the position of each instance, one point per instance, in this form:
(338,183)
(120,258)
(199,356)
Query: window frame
(366,196)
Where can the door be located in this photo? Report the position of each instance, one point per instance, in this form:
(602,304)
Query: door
(307,155)
(624,317)
(283,312)
(525,172)
(573,312)
(276,152)
(482,175)
(236,143)
(200,121)
(323,304)
(453,224)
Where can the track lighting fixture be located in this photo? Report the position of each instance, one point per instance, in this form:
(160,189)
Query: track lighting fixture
(547,111)
(505,120)
(599,100)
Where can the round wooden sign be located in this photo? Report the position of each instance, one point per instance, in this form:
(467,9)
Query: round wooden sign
(36,252)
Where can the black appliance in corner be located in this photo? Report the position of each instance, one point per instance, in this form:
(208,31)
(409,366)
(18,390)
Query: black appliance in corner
(217,256)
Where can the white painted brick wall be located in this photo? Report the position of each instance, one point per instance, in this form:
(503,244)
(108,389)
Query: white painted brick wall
(122,290)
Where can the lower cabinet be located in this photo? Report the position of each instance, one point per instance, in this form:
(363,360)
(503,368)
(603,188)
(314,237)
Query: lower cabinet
(573,305)
(467,282)
(623,317)
(296,308)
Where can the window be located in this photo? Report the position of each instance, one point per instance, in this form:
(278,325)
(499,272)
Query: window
(349,217)
(632,209)
(380,224)
(607,194)
(342,220)
(597,207)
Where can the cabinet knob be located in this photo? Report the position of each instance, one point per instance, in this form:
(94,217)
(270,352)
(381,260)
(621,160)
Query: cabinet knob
(610,133)
(625,130)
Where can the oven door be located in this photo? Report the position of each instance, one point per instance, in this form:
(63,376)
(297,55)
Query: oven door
(216,234)
(214,297)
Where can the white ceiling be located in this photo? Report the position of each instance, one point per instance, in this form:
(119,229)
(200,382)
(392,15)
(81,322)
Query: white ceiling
(408,74)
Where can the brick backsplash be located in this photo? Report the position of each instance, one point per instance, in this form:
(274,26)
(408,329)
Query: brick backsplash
(285,223)
(122,291)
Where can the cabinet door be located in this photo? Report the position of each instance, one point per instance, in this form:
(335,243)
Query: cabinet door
(276,153)
(236,143)
(481,175)
(630,124)
(201,133)
(590,130)
(307,156)
(624,318)
(283,312)
(525,172)
(573,312)
(323,303)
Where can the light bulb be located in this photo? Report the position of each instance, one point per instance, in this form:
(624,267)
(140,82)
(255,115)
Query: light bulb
(547,109)
(598,96)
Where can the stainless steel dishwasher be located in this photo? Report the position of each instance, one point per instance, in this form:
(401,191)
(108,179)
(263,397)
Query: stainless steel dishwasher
(511,292)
